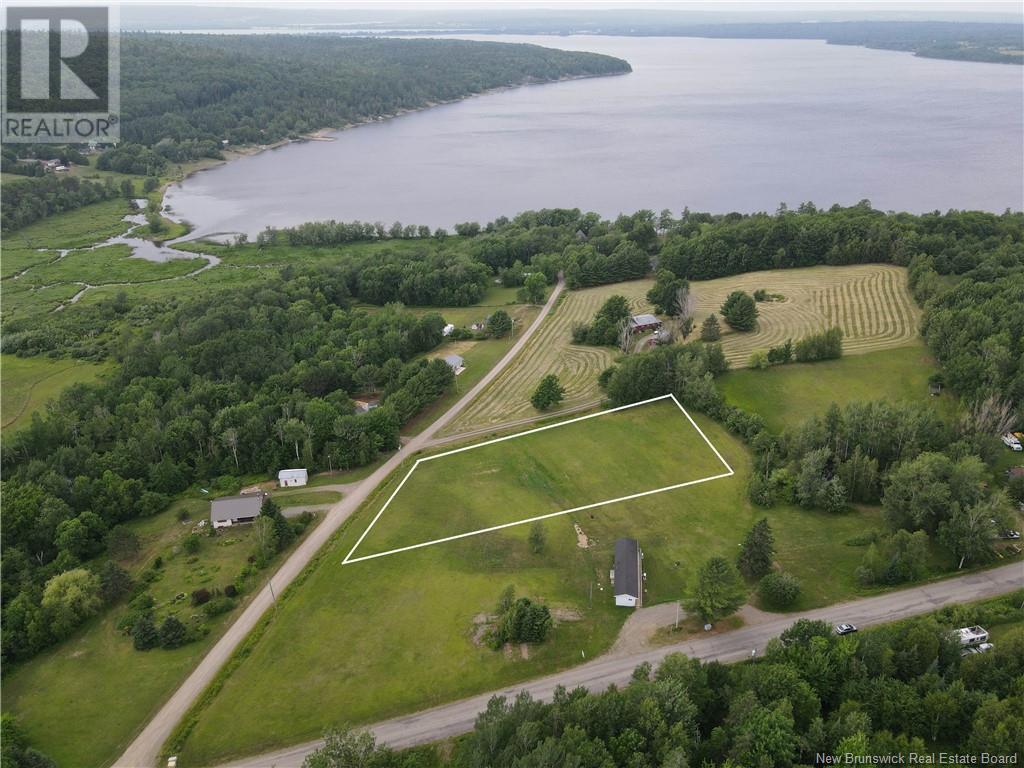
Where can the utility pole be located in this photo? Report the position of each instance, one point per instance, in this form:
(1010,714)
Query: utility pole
(270,583)
(677,614)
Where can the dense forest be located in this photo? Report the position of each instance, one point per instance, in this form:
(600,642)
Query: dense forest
(897,690)
(207,389)
(27,201)
(248,89)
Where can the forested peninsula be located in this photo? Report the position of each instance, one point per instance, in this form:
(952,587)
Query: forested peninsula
(258,89)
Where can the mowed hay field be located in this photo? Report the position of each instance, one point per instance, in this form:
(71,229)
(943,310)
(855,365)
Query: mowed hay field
(29,382)
(870,302)
(543,472)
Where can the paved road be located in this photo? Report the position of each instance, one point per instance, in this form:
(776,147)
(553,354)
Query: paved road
(458,717)
(145,750)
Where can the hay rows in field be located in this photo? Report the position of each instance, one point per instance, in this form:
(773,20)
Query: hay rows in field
(551,350)
(870,303)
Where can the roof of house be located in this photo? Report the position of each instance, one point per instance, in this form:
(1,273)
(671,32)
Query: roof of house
(455,361)
(645,320)
(1016,472)
(627,567)
(290,473)
(235,507)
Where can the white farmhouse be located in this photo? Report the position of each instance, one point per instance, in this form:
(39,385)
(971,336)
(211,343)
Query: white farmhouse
(292,478)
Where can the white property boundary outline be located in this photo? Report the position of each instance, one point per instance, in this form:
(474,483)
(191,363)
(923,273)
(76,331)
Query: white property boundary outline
(728,473)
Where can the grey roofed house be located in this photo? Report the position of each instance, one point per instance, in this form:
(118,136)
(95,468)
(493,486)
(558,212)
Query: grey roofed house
(644,322)
(455,362)
(232,510)
(628,572)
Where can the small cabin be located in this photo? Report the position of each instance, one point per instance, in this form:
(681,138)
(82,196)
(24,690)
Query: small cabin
(456,363)
(627,576)
(292,478)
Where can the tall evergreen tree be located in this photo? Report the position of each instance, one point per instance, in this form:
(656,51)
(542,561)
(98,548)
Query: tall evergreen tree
(757,551)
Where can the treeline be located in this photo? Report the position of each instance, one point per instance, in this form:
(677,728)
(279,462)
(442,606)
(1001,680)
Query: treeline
(965,266)
(929,476)
(897,690)
(210,388)
(262,89)
(29,201)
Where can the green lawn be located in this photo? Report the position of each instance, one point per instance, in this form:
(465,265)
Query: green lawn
(303,498)
(29,382)
(583,462)
(355,643)
(82,701)
(786,395)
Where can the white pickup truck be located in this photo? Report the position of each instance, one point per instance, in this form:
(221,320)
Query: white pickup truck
(1012,442)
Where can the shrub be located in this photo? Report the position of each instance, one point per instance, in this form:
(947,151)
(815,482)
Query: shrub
(710,330)
(191,543)
(230,591)
(219,605)
(114,581)
(779,590)
(827,345)
(549,393)
(200,596)
(524,622)
(173,633)
(759,359)
(740,311)
(145,634)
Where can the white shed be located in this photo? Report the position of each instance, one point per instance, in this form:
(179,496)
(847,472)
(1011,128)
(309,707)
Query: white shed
(291,478)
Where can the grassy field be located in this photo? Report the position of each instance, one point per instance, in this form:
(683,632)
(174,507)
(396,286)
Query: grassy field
(79,228)
(395,634)
(869,302)
(29,382)
(82,701)
(571,465)
(786,395)
(304,498)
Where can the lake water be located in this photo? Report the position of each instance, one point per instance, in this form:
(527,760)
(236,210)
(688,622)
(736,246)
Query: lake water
(716,125)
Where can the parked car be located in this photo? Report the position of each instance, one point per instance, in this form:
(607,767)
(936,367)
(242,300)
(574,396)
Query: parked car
(973,649)
(1010,441)
(1009,534)
(845,629)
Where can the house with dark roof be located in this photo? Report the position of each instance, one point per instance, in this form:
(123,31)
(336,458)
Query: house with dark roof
(235,510)
(644,323)
(628,574)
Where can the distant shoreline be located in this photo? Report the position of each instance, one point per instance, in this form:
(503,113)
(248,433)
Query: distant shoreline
(325,133)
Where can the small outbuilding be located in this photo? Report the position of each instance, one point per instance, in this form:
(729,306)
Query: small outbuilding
(644,323)
(292,478)
(456,363)
(448,330)
(366,404)
(235,510)
(628,576)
